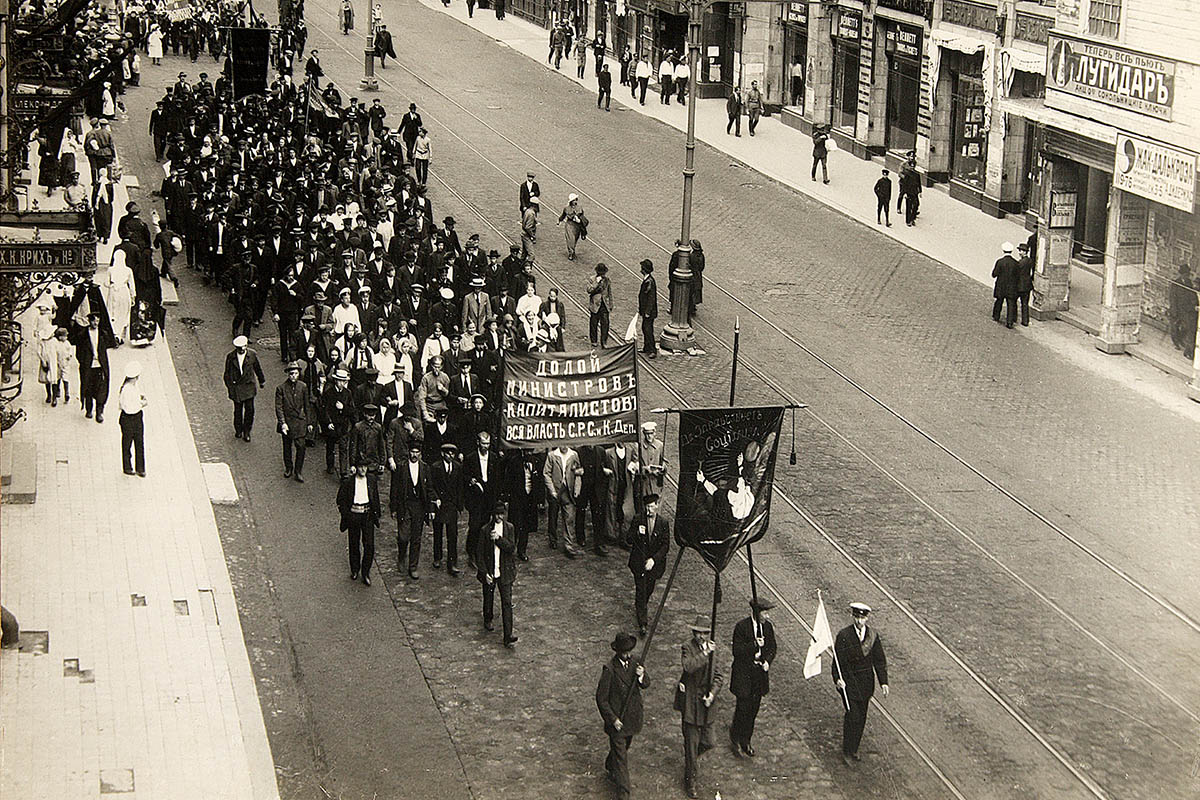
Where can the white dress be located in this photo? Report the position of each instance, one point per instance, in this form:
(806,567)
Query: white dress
(119,294)
(154,48)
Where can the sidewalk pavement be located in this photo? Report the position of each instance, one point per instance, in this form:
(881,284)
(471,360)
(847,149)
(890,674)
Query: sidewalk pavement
(142,686)
(948,230)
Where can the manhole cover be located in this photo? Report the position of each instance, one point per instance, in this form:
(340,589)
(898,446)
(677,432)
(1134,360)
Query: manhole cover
(191,321)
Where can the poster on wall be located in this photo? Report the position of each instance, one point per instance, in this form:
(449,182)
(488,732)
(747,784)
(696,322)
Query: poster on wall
(1062,208)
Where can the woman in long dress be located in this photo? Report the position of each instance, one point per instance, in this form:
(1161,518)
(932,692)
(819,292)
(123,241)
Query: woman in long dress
(43,336)
(102,216)
(119,295)
(155,46)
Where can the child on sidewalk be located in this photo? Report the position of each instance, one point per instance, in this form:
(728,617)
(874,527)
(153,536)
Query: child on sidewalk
(883,197)
(63,353)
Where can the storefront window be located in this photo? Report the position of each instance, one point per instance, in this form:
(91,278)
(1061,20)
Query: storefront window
(845,85)
(902,44)
(970,138)
(797,56)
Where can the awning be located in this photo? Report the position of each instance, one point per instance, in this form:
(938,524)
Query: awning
(1033,108)
(1024,60)
(953,41)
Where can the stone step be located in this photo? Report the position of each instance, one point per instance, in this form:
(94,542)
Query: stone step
(18,473)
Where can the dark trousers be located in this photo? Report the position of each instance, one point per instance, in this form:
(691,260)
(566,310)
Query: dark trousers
(599,520)
(506,608)
(680,90)
(446,523)
(339,446)
(421,166)
(754,116)
(289,466)
(242,323)
(361,531)
(91,381)
(605,96)
(735,124)
(408,539)
(852,726)
(666,87)
(132,429)
(643,587)
(1023,299)
(598,327)
(522,513)
(642,85)
(649,343)
(911,206)
(287,328)
(744,715)
(696,739)
(824,168)
(883,210)
(1011,315)
(476,519)
(617,762)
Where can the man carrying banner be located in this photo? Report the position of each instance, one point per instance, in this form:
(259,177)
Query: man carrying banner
(694,696)
(648,547)
(749,678)
(858,659)
(619,698)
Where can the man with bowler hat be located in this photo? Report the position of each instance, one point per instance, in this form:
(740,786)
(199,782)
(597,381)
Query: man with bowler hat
(619,698)
(860,658)
(496,566)
(749,678)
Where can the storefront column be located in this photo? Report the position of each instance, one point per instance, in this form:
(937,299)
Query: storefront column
(877,102)
(1052,274)
(820,66)
(1124,268)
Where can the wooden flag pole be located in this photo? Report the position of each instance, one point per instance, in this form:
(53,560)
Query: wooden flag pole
(737,335)
(844,692)
(662,601)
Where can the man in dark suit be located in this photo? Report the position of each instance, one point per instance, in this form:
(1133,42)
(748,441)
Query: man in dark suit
(749,678)
(859,659)
(696,692)
(648,546)
(481,471)
(522,486)
(1024,280)
(449,491)
(410,125)
(1007,273)
(241,371)
(619,698)
(294,414)
(529,190)
(411,504)
(496,566)
(358,502)
(91,351)
(648,308)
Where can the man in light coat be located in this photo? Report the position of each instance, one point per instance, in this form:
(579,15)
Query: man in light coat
(562,474)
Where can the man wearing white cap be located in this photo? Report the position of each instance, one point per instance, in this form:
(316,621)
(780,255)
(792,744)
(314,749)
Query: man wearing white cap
(859,659)
(576,221)
(132,401)
(1007,273)
(241,370)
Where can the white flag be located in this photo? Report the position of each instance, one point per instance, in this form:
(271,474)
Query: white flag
(632,331)
(822,641)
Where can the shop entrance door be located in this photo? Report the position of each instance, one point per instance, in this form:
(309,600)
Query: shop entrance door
(903,93)
(844,97)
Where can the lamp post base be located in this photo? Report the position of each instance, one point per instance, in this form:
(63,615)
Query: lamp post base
(368,82)
(369,85)
(677,339)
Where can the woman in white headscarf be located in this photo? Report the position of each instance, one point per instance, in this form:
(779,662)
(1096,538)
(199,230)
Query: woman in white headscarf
(154,47)
(576,224)
(119,292)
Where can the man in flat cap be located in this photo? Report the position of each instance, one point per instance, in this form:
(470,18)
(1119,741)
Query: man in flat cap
(619,698)
(294,414)
(496,566)
(694,696)
(749,677)
(860,659)
(649,543)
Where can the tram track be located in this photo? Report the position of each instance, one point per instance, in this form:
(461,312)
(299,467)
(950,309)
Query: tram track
(1083,779)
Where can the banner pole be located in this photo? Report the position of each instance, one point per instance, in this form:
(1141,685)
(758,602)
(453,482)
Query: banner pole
(712,633)
(737,335)
(662,602)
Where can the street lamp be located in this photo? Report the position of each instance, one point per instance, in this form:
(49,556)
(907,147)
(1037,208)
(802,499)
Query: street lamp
(368,82)
(678,335)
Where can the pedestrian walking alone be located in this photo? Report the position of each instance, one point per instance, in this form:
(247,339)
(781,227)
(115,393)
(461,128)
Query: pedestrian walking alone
(1007,275)
(648,308)
(754,105)
(604,81)
(619,698)
(733,108)
(600,302)
(859,660)
(132,401)
(883,200)
(820,151)
(576,224)
(241,371)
